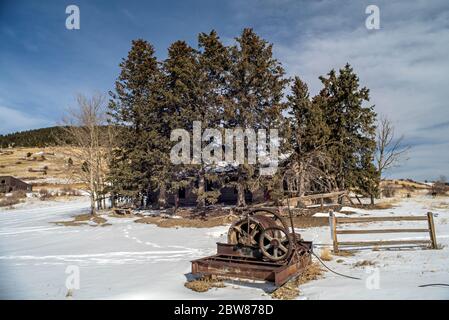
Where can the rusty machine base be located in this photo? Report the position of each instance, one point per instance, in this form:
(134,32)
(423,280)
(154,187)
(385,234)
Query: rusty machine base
(237,261)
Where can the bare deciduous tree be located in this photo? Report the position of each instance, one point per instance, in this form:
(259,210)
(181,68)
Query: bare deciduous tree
(389,151)
(86,126)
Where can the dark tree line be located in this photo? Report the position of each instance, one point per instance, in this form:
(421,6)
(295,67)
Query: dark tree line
(330,138)
(34,138)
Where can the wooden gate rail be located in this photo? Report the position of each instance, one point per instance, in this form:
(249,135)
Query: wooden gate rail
(334,221)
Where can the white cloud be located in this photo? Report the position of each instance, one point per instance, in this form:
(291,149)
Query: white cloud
(14,120)
(404,64)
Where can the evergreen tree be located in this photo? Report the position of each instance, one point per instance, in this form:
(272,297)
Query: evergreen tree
(307,136)
(140,157)
(352,130)
(183,101)
(214,65)
(253,99)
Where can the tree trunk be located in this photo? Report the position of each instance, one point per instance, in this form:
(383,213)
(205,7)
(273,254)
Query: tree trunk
(201,202)
(92,203)
(240,195)
(162,200)
(301,181)
(176,201)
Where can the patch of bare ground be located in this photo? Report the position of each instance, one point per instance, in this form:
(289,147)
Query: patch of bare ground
(15,198)
(441,205)
(204,284)
(344,253)
(376,206)
(364,263)
(209,222)
(347,212)
(290,290)
(84,219)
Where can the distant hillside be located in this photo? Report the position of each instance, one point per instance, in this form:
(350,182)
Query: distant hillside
(43,137)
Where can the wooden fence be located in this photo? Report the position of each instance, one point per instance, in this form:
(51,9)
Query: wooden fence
(334,221)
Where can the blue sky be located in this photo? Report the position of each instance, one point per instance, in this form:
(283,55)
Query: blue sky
(405,63)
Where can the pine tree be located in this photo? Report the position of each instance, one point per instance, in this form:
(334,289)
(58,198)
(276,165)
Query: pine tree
(135,107)
(214,63)
(306,137)
(253,100)
(352,130)
(183,96)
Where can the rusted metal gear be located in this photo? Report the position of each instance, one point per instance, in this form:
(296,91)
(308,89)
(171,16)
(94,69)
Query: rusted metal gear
(247,230)
(275,243)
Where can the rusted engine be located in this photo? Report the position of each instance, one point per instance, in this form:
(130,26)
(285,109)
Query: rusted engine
(260,246)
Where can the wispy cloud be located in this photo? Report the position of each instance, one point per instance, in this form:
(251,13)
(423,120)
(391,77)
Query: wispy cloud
(13,120)
(404,64)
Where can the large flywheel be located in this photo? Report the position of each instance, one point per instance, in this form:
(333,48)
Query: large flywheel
(254,230)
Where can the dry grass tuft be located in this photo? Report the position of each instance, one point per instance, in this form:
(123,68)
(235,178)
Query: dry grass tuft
(188,223)
(82,220)
(344,253)
(364,263)
(44,194)
(15,198)
(326,254)
(204,284)
(290,290)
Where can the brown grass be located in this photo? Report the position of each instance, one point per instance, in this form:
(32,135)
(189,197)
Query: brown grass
(364,263)
(13,164)
(16,197)
(378,206)
(290,290)
(204,284)
(326,254)
(83,219)
(344,253)
(188,223)
(45,194)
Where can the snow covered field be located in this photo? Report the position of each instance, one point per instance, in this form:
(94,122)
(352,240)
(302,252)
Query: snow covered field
(129,260)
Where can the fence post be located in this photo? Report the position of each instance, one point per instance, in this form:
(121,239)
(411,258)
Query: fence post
(333,227)
(433,237)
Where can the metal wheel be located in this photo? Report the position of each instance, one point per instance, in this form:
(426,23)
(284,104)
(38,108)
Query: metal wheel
(248,229)
(275,243)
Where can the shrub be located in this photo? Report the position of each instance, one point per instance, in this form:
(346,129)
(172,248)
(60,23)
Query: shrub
(326,254)
(15,198)
(44,194)
(439,187)
(389,191)
(69,191)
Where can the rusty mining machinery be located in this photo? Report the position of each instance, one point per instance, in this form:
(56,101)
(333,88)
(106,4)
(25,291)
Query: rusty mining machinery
(261,246)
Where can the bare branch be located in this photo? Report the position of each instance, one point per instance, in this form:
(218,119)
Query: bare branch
(390,152)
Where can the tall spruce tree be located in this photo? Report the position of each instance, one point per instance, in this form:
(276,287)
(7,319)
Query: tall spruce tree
(139,161)
(214,63)
(183,98)
(352,130)
(307,136)
(253,99)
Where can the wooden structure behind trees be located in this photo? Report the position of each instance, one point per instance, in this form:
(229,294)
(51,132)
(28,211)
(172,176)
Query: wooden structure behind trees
(322,198)
(334,221)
